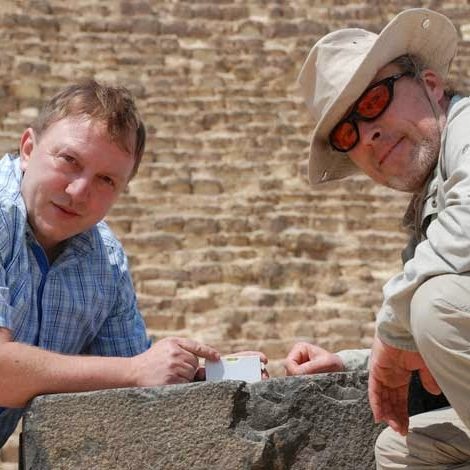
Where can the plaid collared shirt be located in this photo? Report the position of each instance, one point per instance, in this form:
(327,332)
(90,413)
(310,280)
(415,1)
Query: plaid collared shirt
(84,302)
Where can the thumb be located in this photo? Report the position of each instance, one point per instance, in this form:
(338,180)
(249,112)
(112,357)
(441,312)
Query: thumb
(428,381)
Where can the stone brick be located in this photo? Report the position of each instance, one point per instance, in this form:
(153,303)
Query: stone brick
(207,186)
(315,246)
(165,321)
(340,327)
(209,273)
(29,67)
(26,90)
(282,29)
(135,7)
(182,186)
(154,240)
(196,301)
(159,288)
(146,25)
(178,28)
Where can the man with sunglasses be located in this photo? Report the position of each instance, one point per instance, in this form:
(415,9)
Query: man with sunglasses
(382,107)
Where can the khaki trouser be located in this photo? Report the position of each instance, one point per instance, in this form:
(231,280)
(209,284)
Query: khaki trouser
(440,323)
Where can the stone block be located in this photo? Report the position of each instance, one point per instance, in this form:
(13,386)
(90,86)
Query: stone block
(152,242)
(179,185)
(209,187)
(196,300)
(201,225)
(164,321)
(206,273)
(253,295)
(318,423)
(131,8)
(146,26)
(26,89)
(159,288)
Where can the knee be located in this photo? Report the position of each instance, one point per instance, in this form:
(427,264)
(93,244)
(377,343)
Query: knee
(437,304)
(423,306)
(388,449)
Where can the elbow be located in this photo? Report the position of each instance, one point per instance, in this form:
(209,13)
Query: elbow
(13,390)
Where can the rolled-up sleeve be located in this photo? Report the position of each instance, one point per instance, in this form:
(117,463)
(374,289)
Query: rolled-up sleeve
(6,312)
(123,332)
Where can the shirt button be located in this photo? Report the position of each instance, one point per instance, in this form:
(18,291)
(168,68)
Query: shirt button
(433,203)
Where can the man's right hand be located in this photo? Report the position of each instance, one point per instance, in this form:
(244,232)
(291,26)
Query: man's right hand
(305,358)
(389,379)
(170,361)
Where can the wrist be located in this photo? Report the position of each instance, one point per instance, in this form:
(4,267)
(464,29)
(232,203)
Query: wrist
(132,376)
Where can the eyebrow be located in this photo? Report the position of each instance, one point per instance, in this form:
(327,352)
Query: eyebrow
(77,155)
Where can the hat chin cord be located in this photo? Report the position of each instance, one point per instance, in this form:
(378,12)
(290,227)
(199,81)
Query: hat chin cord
(438,114)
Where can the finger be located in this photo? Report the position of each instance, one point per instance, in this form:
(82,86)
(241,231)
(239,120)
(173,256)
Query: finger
(264,374)
(395,408)
(322,364)
(199,349)
(399,424)
(428,382)
(291,367)
(298,352)
(200,375)
(375,406)
(375,398)
(300,369)
(184,370)
(177,373)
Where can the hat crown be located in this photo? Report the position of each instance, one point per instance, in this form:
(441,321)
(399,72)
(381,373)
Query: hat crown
(332,62)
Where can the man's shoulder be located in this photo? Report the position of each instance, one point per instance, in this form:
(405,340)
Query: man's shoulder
(10,183)
(107,236)
(12,208)
(109,243)
(459,107)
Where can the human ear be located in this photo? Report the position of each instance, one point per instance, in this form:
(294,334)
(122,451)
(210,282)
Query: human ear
(433,83)
(27,143)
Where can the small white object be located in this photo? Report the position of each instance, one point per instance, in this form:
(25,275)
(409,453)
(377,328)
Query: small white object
(426,23)
(246,368)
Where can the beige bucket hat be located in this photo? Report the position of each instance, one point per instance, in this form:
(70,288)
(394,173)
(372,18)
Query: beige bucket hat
(341,65)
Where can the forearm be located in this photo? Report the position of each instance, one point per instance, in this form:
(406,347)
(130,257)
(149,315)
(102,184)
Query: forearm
(27,371)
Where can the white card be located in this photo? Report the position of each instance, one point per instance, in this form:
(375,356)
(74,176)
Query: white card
(246,368)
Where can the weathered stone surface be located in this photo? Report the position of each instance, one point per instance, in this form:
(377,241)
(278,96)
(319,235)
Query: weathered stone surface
(295,423)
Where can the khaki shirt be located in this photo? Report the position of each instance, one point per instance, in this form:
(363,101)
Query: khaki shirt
(445,247)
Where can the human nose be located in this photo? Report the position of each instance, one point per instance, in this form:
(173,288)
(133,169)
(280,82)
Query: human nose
(370,132)
(78,189)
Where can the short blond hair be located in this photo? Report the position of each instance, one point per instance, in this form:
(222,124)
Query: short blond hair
(113,106)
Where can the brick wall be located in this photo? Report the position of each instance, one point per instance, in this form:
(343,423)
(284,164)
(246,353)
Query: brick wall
(227,241)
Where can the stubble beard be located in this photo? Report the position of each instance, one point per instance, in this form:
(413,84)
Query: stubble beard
(423,159)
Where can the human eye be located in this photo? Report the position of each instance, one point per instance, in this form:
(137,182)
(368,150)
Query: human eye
(66,158)
(374,101)
(108,181)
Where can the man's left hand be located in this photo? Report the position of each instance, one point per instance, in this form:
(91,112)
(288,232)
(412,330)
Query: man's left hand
(389,377)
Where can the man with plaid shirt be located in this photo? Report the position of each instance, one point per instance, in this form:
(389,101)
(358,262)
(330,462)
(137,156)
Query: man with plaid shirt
(68,314)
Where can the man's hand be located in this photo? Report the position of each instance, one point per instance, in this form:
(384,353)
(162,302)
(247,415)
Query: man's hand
(389,377)
(306,358)
(170,361)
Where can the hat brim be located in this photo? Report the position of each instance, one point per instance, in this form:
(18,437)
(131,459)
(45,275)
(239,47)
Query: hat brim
(420,32)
